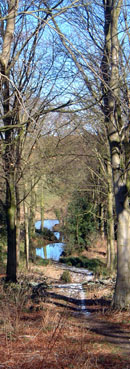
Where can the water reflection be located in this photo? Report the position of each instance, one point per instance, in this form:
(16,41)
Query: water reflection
(48,223)
(54,250)
(51,251)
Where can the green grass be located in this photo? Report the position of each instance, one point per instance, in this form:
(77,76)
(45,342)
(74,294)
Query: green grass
(94,265)
(42,262)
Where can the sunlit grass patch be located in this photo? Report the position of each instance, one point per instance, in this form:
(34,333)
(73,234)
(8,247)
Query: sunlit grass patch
(95,265)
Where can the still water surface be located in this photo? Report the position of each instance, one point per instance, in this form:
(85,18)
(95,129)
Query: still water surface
(48,223)
(53,250)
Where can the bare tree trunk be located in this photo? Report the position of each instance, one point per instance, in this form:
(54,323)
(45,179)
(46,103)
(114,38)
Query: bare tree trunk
(110,222)
(112,111)
(42,209)
(122,290)
(26,227)
(11,272)
(17,225)
(77,230)
(32,221)
(45,252)
(32,212)
(8,155)
(102,231)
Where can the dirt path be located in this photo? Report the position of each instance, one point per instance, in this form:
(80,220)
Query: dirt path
(112,327)
(52,331)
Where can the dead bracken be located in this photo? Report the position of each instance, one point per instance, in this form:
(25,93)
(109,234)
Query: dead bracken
(47,331)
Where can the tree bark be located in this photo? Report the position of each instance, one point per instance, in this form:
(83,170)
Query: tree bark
(112,111)
(32,212)
(122,289)
(32,219)
(42,209)
(9,152)
(26,228)
(102,231)
(17,225)
(110,222)
(11,272)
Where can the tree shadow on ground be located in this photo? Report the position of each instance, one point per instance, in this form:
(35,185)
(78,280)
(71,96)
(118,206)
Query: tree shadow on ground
(112,332)
(92,305)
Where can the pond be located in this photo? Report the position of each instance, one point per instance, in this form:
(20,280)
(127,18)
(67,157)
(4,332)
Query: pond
(74,291)
(53,250)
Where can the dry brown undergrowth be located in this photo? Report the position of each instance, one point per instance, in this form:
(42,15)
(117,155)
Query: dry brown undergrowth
(49,333)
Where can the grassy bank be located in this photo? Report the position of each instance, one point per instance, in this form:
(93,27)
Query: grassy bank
(94,265)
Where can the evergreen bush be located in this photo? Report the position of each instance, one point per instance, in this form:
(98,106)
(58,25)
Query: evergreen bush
(80,223)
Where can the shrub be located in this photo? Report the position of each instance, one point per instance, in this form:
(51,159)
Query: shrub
(94,265)
(47,234)
(66,277)
(80,223)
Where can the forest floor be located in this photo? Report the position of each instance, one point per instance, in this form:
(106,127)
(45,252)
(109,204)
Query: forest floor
(41,328)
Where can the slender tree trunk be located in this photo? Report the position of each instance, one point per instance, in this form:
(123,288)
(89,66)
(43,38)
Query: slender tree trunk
(10,190)
(32,221)
(17,225)
(110,222)
(45,252)
(42,209)
(77,230)
(32,212)
(102,231)
(26,227)
(11,272)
